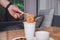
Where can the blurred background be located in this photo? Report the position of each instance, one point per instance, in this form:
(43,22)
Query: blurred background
(48,8)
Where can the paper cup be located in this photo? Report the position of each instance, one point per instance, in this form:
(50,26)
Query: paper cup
(29,29)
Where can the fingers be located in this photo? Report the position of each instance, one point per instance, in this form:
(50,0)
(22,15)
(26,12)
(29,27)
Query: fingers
(16,9)
(15,12)
(19,11)
(16,16)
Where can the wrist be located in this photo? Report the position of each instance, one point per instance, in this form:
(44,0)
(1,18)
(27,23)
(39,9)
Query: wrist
(6,4)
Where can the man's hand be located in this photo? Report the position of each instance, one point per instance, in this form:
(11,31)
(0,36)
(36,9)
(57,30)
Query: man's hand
(15,11)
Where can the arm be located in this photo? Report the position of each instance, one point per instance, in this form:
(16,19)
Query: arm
(12,9)
(4,3)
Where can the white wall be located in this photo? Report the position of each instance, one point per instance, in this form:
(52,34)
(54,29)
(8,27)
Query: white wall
(49,4)
(30,6)
(43,4)
(54,4)
(58,7)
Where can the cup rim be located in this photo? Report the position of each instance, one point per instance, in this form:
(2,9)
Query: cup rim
(29,23)
(41,32)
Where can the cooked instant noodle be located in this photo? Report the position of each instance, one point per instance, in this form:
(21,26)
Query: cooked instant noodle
(29,18)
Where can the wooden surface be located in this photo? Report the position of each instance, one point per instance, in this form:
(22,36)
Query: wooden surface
(9,35)
(3,35)
(15,33)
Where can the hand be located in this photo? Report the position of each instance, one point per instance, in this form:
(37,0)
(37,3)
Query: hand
(15,11)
